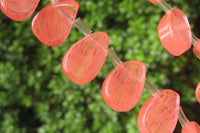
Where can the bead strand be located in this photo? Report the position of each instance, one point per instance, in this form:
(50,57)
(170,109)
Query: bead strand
(127,78)
(146,108)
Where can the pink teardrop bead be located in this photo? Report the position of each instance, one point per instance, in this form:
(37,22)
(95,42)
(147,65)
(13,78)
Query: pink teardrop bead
(196,49)
(197,92)
(154,1)
(174,32)
(18,10)
(53,23)
(84,59)
(191,127)
(159,114)
(123,87)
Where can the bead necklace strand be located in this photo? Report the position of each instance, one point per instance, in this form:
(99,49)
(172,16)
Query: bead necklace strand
(150,116)
(127,78)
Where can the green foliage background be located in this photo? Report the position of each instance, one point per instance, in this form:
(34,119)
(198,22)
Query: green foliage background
(36,96)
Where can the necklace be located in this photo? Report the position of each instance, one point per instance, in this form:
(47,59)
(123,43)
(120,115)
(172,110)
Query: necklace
(86,34)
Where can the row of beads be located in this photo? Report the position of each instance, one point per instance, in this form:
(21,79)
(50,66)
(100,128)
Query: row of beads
(123,87)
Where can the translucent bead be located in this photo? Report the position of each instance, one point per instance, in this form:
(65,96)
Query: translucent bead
(18,10)
(154,1)
(83,61)
(197,92)
(196,49)
(174,32)
(191,127)
(159,114)
(123,87)
(53,23)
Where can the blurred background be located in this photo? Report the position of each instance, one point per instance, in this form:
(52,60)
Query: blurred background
(36,96)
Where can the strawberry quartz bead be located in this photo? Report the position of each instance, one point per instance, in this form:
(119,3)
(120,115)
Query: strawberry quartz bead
(196,49)
(191,127)
(84,59)
(155,1)
(174,32)
(53,23)
(197,92)
(18,10)
(123,87)
(159,114)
